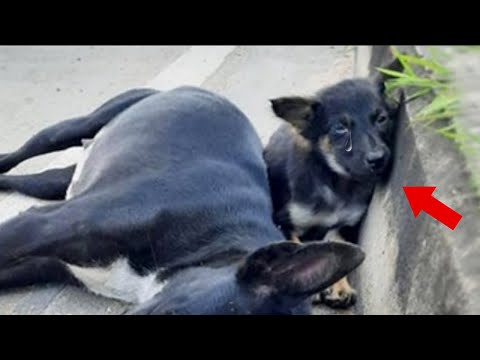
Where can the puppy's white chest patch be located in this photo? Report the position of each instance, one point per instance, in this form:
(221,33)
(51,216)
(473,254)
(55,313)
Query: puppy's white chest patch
(303,216)
(118,281)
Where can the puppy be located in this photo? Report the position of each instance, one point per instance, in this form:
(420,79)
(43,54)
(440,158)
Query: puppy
(324,163)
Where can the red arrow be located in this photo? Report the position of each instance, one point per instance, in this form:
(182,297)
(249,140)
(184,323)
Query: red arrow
(421,198)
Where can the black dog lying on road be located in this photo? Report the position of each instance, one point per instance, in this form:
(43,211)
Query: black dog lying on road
(169,210)
(324,163)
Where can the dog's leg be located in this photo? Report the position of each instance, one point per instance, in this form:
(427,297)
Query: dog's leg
(31,232)
(71,132)
(48,185)
(37,245)
(36,270)
(341,295)
(88,231)
(73,231)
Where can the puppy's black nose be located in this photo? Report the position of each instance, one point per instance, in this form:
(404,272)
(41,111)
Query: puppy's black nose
(376,160)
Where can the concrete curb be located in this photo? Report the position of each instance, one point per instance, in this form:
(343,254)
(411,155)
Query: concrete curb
(419,266)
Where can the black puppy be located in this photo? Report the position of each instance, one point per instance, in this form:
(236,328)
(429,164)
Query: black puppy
(170,209)
(324,163)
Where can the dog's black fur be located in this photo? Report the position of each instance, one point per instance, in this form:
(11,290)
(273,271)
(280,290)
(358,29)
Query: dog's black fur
(175,187)
(324,163)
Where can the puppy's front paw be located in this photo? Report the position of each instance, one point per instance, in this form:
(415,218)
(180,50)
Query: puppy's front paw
(340,295)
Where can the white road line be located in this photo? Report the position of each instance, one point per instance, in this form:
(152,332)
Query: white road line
(192,68)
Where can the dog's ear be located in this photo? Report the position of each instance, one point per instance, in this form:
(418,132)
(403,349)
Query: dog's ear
(379,78)
(299,270)
(298,111)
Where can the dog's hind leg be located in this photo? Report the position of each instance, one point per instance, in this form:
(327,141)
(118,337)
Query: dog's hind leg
(47,185)
(69,231)
(36,270)
(71,132)
(29,233)
(87,231)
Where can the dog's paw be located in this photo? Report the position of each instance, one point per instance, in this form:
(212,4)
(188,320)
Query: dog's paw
(339,300)
(339,296)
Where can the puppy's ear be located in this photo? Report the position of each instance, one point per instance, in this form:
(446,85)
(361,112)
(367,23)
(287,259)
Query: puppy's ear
(298,111)
(379,78)
(299,270)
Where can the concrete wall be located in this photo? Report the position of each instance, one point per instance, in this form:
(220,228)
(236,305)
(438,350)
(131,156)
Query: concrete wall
(419,266)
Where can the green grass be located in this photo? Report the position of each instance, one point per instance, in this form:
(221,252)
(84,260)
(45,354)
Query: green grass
(429,79)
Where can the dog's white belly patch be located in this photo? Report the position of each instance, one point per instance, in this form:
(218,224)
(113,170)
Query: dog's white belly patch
(304,217)
(78,169)
(118,281)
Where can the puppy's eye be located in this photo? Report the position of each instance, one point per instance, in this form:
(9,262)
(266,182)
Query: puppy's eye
(382,118)
(340,129)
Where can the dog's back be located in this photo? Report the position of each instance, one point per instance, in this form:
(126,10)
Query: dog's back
(170,130)
(198,162)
